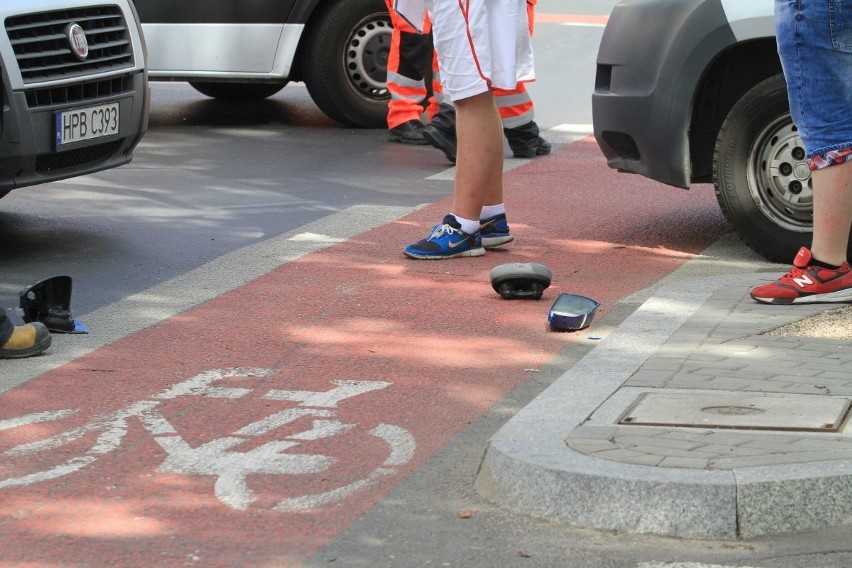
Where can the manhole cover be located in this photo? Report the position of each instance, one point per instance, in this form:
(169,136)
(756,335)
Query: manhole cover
(764,411)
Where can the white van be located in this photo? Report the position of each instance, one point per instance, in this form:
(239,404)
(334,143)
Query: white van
(249,50)
(692,91)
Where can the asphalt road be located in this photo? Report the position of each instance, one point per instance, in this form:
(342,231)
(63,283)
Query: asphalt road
(212,177)
(238,227)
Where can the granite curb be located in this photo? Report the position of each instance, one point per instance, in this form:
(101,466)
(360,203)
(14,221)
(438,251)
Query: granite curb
(566,457)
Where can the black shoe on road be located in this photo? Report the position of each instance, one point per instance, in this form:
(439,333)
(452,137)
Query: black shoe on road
(410,132)
(525,141)
(538,147)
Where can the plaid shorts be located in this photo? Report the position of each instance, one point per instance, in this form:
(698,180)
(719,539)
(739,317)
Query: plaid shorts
(831,158)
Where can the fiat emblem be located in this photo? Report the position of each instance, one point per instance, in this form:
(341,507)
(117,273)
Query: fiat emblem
(77,40)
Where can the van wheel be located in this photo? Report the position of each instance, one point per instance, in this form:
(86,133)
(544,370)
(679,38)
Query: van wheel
(237,91)
(346,61)
(761,175)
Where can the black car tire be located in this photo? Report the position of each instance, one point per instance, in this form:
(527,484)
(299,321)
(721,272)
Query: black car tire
(760,173)
(345,62)
(237,91)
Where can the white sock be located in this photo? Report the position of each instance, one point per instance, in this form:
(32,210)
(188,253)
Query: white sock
(491,210)
(469,226)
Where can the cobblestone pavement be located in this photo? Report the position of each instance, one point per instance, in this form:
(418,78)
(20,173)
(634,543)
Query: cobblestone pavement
(730,345)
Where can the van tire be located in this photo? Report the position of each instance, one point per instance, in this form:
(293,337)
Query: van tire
(345,62)
(771,209)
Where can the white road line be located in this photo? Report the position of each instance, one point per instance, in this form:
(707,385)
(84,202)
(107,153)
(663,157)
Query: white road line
(197,286)
(583,25)
(567,133)
(33,418)
(226,273)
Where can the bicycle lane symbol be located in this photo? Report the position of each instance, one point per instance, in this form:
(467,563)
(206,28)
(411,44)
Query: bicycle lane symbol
(221,457)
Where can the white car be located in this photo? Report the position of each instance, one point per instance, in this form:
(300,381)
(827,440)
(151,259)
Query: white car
(692,91)
(250,50)
(74,88)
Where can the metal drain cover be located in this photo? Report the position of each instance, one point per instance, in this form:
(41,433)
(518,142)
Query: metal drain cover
(751,411)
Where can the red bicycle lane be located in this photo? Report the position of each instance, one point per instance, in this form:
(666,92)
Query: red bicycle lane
(250,430)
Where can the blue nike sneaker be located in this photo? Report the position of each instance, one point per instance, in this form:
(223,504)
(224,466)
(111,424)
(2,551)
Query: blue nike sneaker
(446,240)
(494,231)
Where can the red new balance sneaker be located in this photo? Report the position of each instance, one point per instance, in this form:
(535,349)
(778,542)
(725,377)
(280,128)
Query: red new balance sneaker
(806,284)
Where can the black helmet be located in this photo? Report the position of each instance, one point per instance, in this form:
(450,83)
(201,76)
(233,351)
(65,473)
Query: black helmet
(520,280)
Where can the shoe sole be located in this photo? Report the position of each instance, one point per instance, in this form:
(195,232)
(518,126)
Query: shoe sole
(839,297)
(542,149)
(472,252)
(538,152)
(491,242)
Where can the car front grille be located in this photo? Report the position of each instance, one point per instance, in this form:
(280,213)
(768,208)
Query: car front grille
(75,158)
(80,92)
(43,50)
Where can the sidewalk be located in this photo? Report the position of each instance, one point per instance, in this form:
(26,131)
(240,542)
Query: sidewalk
(688,420)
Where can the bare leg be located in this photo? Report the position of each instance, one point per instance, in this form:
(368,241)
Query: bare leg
(832,213)
(479,169)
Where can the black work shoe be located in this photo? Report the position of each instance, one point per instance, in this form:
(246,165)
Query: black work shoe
(410,132)
(442,140)
(540,147)
(525,141)
(27,340)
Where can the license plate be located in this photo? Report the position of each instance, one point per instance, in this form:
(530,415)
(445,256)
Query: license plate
(86,123)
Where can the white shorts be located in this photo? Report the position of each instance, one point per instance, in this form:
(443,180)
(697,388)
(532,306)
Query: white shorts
(481,44)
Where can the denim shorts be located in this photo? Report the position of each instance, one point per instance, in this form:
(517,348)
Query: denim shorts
(815,44)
